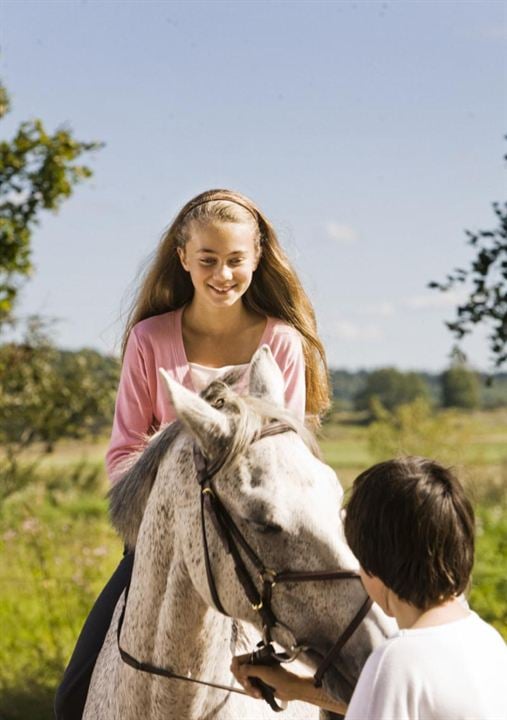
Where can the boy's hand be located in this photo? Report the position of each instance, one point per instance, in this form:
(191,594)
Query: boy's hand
(287,685)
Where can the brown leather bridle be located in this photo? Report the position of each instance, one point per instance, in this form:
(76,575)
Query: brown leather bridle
(234,542)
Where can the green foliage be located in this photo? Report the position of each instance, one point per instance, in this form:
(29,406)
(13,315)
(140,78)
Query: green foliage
(416,429)
(488,596)
(47,394)
(494,391)
(391,388)
(38,171)
(345,385)
(487,274)
(460,388)
(56,552)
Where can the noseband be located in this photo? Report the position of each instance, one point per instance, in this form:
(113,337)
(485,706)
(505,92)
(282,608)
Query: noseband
(234,542)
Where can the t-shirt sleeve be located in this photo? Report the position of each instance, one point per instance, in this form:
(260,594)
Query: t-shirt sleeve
(288,353)
(133,416)
(382,691)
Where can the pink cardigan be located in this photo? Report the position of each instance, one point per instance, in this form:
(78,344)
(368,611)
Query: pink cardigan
(142,403)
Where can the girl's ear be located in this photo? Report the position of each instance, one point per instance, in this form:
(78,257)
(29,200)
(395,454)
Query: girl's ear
(258,258)
(183,257)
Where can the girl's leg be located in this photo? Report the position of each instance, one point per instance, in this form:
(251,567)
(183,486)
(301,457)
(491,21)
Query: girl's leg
(71,694)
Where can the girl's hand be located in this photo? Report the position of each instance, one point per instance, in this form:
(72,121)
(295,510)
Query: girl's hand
(287,685)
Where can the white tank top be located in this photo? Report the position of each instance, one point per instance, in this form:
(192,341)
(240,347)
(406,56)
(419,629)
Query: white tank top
(203,375)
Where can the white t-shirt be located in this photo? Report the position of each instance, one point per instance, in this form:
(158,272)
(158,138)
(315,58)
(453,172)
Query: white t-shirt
(456,671)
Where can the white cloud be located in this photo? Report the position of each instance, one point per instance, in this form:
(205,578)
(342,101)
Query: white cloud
(495,32)
(435,300)
(343,234)
(380,309)
(347,330)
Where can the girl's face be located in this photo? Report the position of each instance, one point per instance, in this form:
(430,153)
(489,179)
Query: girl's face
(221,259)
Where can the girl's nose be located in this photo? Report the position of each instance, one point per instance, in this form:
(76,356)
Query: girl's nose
(223,272)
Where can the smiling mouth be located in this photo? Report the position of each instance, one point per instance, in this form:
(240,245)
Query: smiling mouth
(222,291)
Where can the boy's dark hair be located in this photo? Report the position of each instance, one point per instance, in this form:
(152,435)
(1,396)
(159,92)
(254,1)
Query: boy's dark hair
(409,523)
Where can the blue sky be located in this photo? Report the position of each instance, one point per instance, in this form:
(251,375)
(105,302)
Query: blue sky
(371,134)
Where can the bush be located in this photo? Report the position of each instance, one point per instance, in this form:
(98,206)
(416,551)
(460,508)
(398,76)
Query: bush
(460,388)
(391,388)
(416,429)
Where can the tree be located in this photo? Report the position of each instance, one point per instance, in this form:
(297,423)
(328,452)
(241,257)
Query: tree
(48,394)
(459,385)
(37,172)
(391,387)
(487,299)
(460,388)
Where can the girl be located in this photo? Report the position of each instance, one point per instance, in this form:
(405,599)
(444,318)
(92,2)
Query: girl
(219,286)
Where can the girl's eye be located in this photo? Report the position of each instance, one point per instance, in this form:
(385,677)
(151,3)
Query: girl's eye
(236,261)
(207,261)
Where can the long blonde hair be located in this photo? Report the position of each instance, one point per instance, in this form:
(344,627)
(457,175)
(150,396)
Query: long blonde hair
(275,289)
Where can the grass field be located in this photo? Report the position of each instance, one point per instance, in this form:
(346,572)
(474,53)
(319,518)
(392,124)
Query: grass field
(57,548)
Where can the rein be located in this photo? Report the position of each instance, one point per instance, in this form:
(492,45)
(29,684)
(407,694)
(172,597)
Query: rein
(233,542)
(166,672)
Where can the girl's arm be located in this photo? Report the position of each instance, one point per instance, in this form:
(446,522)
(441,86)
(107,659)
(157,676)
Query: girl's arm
(287,350)
(133,416)
(288,686)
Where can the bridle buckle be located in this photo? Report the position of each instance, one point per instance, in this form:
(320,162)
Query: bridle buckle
(268,576)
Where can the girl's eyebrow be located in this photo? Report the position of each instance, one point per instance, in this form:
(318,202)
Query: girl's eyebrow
(214,252)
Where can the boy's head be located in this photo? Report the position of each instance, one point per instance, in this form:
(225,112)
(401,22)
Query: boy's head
(410,524)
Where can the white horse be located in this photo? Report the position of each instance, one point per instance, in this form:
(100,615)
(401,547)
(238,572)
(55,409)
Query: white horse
(285,501)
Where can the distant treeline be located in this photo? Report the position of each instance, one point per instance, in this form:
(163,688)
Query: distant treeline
(47,394)
(456,387)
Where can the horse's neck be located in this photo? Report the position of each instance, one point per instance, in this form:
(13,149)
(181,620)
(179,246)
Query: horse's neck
(168,624)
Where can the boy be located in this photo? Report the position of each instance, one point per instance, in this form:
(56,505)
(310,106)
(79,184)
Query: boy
(411,527)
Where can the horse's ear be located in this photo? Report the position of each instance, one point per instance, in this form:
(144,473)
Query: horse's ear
(233,376)
(208,426)
(266,379)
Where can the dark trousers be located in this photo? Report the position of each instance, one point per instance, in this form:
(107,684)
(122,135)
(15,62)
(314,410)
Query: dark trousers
(71,694)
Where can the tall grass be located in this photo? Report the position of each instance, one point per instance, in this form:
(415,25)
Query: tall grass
(57,550)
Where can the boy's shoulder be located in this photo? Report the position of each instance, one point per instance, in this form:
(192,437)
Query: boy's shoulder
(453,670)
(431,645)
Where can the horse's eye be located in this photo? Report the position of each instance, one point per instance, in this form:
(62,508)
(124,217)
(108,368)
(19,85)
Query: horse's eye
(266,528)
(218,403)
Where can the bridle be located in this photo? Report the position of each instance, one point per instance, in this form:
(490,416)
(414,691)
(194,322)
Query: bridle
(234,542)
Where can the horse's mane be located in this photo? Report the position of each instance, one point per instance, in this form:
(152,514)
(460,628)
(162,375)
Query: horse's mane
(128,497)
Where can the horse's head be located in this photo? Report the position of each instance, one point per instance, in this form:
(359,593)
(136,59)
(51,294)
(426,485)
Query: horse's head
(287,504)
